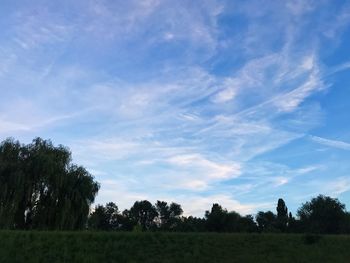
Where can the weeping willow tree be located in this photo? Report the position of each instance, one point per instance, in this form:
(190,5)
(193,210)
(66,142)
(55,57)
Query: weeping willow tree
(41,189)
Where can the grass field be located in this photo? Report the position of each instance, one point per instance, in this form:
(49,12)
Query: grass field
(52,247)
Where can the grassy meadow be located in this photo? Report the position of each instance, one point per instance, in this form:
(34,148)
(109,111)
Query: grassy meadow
(59,247)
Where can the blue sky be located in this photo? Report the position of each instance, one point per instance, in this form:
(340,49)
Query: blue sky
(236,102)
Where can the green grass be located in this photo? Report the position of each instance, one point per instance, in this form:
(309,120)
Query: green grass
(52,247)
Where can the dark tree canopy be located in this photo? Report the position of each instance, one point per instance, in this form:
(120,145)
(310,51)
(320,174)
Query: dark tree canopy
(220,220)
(168,216)
(105,217)
(322,214)
(98,219)
(41,189)
(216,218)
(282,215)
(266,221)
(143,216)
(143,213)
(192,224)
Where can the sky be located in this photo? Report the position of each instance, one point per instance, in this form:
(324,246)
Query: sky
(196,102)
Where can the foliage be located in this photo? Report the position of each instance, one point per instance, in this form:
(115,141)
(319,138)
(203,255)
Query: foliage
(282,215)
(192,224)
(345,224)
(168,216)
(143,213)
(217,219)
(105,218)
(41,189)
(322,214)
(163,217)
(266,221)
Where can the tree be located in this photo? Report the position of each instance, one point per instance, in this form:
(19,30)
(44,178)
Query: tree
(282,215)
(126,221)
(220,220)
(216,218)
(163,214)
(98,219)
(345,225)
(266,221)
(247,224)
(13,184)
(112,215)
(233,222)
(144,213)
(41,189)
(175,215)
(105,218)
(168,216)
(191,224)
(322,214)
(293,224)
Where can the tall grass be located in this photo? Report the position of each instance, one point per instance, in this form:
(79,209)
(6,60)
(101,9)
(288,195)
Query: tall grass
(80,247)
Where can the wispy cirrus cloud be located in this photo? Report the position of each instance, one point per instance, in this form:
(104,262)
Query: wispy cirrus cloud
(331,143)
(192,204)
(186,99)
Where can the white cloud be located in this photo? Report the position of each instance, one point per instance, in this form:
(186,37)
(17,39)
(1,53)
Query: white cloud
(7,127)
(279,181)
(38,27)
(340,20)
(104,150)
(291,100)
(300,7)
(308,169)
(115,191)
(328,186)
(228,93)
(212,169)
(195,205)
(197,173)
(261,177)
(331,143)
(339,68)
(192,204)
(225,95)
(338,186)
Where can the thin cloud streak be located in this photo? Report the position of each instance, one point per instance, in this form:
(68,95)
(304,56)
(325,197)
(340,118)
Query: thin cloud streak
(331,143)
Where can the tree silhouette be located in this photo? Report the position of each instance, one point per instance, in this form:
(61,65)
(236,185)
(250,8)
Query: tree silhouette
(98,219)
(41,189)
(282,215)
(266,221)
(293,224)
(168,216)
(192,224)
(220,220)
(144,213)
(105,218)
(216,219)
(247,224)
(345,224)
(322,214)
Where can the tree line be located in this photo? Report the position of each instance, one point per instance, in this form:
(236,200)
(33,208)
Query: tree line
(40,188)
(322,215)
